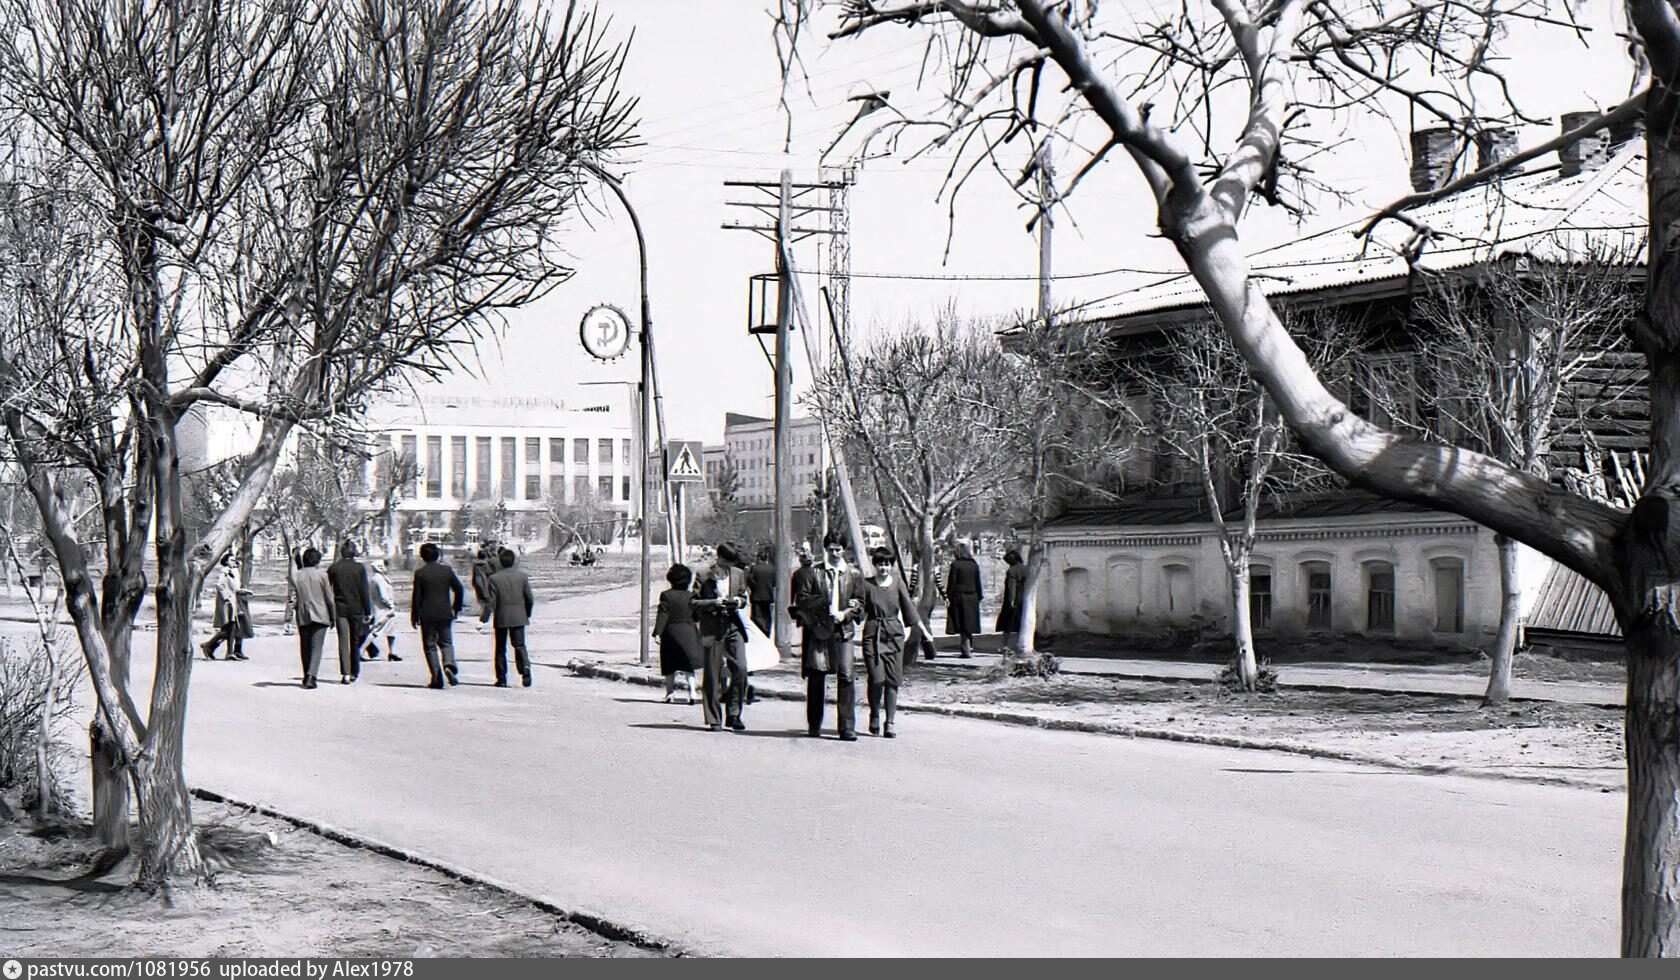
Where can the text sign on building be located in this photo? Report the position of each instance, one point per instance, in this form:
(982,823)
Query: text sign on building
(683,463)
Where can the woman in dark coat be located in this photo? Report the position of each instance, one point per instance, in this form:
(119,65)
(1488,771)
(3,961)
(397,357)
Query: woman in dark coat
(1014,584)
(963,586)
(679,638)
(886,607)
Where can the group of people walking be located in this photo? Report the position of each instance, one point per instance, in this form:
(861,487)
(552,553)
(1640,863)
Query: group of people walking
(357,602)
(840,613)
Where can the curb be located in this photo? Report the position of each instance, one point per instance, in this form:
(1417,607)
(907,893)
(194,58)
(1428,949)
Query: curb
(1316,688)
(585,669)
(605,928)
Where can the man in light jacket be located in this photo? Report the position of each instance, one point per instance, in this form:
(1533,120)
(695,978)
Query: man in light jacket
(316,612)
(511,604)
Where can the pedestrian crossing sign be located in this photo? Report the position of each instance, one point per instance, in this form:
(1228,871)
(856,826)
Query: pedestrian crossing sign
(685,463)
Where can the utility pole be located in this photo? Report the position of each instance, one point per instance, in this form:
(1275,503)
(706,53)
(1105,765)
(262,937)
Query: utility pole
(1046,225)
(784,232)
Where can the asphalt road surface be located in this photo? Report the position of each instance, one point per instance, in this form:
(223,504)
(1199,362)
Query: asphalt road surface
(959,838)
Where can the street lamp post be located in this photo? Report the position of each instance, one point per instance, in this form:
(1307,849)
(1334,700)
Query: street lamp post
(651,406)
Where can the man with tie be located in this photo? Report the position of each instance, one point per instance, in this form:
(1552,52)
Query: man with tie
(828,600)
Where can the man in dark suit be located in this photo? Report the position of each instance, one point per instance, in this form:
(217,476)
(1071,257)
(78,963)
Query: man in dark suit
(761,589)
(828,600)
(511,603)
(353,598)
(432,608)
(718,601)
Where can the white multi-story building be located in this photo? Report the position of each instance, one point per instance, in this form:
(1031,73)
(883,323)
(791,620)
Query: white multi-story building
(750,443)
(517,451)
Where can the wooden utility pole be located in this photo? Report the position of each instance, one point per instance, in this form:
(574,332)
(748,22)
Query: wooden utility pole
(1046,224)
(784,408)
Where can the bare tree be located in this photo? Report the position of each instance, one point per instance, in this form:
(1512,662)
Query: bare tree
(1203,406)
(1511,350)
(284,208)
(1218,106)
(933,409)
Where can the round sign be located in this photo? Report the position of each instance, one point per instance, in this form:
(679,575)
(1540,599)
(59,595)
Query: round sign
(605,332)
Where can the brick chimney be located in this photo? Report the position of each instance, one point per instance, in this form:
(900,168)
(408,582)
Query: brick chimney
(1586,153)
(1433,151)
(1495,144)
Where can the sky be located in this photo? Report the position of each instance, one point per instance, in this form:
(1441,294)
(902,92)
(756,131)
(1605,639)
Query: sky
(706,75)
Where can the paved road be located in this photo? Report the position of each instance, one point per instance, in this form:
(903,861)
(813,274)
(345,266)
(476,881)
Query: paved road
(961,838)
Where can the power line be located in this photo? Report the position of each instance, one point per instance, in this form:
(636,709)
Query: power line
(962,277)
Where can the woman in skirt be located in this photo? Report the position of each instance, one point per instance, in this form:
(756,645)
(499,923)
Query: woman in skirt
(679,638)
(886,606)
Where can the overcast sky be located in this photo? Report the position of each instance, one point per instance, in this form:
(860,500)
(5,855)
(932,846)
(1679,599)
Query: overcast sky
(707,77)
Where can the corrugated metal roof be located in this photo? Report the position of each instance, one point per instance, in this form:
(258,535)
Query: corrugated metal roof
(1167,512)
(1568,603)
(1541,213)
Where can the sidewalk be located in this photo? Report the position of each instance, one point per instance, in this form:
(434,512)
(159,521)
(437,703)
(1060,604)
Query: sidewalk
(618,648)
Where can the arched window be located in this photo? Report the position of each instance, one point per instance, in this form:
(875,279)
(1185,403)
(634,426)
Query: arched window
(1449,594)
(1379,597)
(1178,587)
(1316,576)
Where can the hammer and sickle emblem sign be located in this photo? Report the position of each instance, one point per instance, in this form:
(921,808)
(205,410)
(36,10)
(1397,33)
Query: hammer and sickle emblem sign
(605,332)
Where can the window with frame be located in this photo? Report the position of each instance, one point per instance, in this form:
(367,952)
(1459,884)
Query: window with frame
(1385,389)
(411,456)
(626,489)
(1379,597)
(1449,594)
(1316,575)
(603,487)
(485,467)
(510,468)
(434,466)
(1259,597)
(604,452)
(580,453)
(533,468)
(624,453)
(458,467)
(580,489)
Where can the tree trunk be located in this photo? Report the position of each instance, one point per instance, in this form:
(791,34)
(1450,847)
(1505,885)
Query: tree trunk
(1510,609)
(1029,595)
(1242,626)
(1651,858)
(110,776)
(168,850)
(925,592)
(43,743)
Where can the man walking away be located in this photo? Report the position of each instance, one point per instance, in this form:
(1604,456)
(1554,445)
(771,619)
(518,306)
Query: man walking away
(483,567)
(316,612)
(352,596)
(761,589)
(384,612)
(432,608)
(829,601)
(511,604)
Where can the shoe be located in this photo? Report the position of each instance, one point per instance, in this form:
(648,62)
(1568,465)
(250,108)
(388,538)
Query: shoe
(889,733)
(482,627)
(668,697)
(205,649)
(813,733)
(393,658)
(240,656)
(500,683)
(525,678)
(848,736)
(874,726)
(737,724)
(714,728)
(309,683)
(449,675)
(436,684)
(344,680)
(370,656)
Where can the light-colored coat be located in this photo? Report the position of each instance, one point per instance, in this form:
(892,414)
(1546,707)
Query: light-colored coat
(314,597)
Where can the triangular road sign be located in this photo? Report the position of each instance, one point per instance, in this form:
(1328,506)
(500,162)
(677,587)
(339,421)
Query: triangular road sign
(685,465)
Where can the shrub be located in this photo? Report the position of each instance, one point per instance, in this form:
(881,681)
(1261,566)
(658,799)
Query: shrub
(1041,665)
(23,698)
(1266,681)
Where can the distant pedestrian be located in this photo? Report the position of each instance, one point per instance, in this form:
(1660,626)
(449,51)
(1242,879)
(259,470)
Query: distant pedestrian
(510,607)
(384,612)
(483,566)
(226,618)
(316,612)
(353,598)
(432,607)
(886,608)
(1014,586)
(829,599)
(761,590)
(723,681)
(962,616)
(680,649)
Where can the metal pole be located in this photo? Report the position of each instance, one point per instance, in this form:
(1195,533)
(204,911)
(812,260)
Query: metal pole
(783,520)
(649,387)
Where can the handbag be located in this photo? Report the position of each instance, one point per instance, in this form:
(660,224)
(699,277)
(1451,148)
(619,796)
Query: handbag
(950,619)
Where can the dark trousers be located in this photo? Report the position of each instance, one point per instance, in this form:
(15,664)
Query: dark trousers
(761,614)
(229,633)
(516,636)
(723,678)
(845,690)
(312,639)
(352,636)
(438,640)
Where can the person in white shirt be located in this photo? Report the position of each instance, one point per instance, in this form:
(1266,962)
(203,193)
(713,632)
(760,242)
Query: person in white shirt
(384,613)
